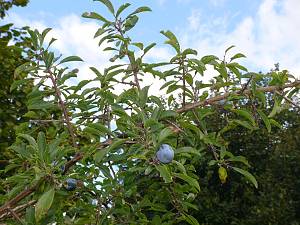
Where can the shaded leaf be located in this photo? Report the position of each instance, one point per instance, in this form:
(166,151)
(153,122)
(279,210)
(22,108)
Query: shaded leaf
(248,175)
(44,203)
(164,173)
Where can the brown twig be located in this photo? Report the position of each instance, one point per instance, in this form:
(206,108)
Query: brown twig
(194,105)
(212,148)
(245,86)
(15,215)
(288,100)
(183,81)
(45,121)
(63,107)
(11,203)
(18,208)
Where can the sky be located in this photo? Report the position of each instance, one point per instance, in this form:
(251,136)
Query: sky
(266,31)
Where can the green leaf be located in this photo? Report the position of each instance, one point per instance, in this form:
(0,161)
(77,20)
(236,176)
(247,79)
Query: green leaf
(164,173)
(236,56)
(71,59)
(239,158)
(140,9)
(172,40)
(143,96)
(30,140)
(139,45)
(265,119)
(244,124)
(208,59)
(246,114)
(44,203)
(276,109)
(189,51)
(248,175)
(122,8)
(166,84)
(17,83)
(190,219)
(187,150)
(164,134)
(99,32)
(117,143)
(234,64)
(191,181)
(108,4)
(180,166)
(34,38)
(232,46)
(130,22)
(275,123)
(96,16)
(149,47)
(167,114)
(99,155)
(41,141)
(97,129)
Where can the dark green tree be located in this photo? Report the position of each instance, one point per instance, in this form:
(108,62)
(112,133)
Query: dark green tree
(13,43)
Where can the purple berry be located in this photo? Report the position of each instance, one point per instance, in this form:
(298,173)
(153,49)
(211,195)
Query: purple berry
(165,154)
(71,184)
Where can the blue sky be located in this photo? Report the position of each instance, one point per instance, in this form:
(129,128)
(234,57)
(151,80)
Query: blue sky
(266,31)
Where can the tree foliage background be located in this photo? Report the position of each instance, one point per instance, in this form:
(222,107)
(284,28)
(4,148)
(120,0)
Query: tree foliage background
(235,138)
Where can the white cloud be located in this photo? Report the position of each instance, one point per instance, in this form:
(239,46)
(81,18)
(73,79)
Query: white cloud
(268,37)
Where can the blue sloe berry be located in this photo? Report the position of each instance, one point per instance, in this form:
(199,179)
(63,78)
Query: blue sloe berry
(71,184)
(165,154)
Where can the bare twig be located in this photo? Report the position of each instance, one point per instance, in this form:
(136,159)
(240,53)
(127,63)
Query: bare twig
(194,105)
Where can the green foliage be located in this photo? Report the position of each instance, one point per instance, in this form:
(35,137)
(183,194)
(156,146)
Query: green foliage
(7,4)
(12,98)
(107,139)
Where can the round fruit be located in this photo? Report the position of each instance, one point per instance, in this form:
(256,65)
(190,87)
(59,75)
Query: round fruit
(222,174)
(71,184)
(165,154)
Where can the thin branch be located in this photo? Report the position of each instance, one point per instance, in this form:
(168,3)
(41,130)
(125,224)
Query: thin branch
(15,215)
(45,121)
(194,105)
(245,86)
(18,209)
(183,82)
(11,203)
(288,100)
(212,148)
(63,108)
